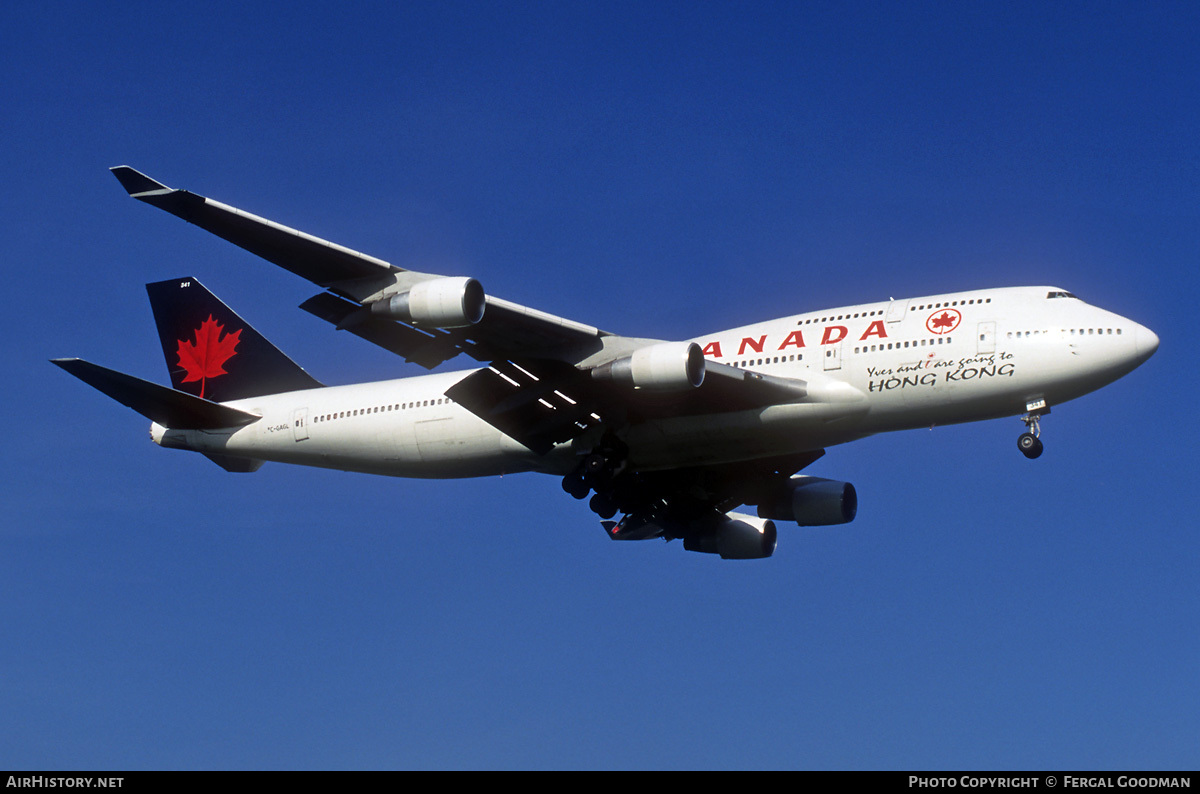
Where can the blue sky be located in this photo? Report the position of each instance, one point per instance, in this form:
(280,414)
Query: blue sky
(660,170)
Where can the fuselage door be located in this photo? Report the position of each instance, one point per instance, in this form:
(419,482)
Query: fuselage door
(435,439)
(300,423)
(833,356)
(987,337)
(896,310)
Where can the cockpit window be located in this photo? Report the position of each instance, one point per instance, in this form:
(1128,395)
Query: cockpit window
(1060,294)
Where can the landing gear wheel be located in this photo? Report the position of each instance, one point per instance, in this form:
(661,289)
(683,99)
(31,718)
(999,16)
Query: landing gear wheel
(1030,445)
(575,485)
(599,468)
(603,506)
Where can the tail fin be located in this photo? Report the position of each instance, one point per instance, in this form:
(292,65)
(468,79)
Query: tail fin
(212,352)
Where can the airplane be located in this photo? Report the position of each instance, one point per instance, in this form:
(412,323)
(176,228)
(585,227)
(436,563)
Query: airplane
(675,436)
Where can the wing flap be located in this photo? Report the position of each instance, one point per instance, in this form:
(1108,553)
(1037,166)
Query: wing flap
(513,330)
(532,401)
(425,348)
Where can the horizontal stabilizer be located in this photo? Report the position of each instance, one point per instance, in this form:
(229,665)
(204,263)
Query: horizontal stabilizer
(167,407)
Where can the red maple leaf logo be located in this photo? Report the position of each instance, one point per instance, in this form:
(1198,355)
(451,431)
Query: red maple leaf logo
(203,359)
(943,322)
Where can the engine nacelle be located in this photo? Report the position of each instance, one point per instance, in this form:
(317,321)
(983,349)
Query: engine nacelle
(735,536)
(667,366)
(812,502)
(437,303)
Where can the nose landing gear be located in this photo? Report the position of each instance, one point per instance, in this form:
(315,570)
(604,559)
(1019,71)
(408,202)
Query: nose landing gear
(1030,442)
(1030,445)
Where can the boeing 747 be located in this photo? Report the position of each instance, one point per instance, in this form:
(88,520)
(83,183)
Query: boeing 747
(672,436)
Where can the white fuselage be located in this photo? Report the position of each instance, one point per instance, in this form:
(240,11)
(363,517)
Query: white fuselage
(869,369)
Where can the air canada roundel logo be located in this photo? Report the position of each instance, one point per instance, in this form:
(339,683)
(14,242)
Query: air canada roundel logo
(943,321)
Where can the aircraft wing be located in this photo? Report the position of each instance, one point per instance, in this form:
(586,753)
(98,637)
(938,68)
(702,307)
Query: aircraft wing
(542,402)
(548,378)
(320,261)
(355,279)
(507,330)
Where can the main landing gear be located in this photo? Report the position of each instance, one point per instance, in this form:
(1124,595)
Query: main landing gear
(1030,442)
(597,471)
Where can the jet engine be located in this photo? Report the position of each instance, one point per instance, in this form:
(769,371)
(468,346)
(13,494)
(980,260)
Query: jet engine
(665,367)
(735,536)
(437,303)
(812,502)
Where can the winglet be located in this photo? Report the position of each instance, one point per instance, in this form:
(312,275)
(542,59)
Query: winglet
(136,183)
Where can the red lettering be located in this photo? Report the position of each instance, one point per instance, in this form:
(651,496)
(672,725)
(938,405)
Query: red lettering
(794,338)
(757,347)
(713,349)
(829,339)
(874,329)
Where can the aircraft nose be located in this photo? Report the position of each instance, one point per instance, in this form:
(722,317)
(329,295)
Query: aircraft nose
(1146,342)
